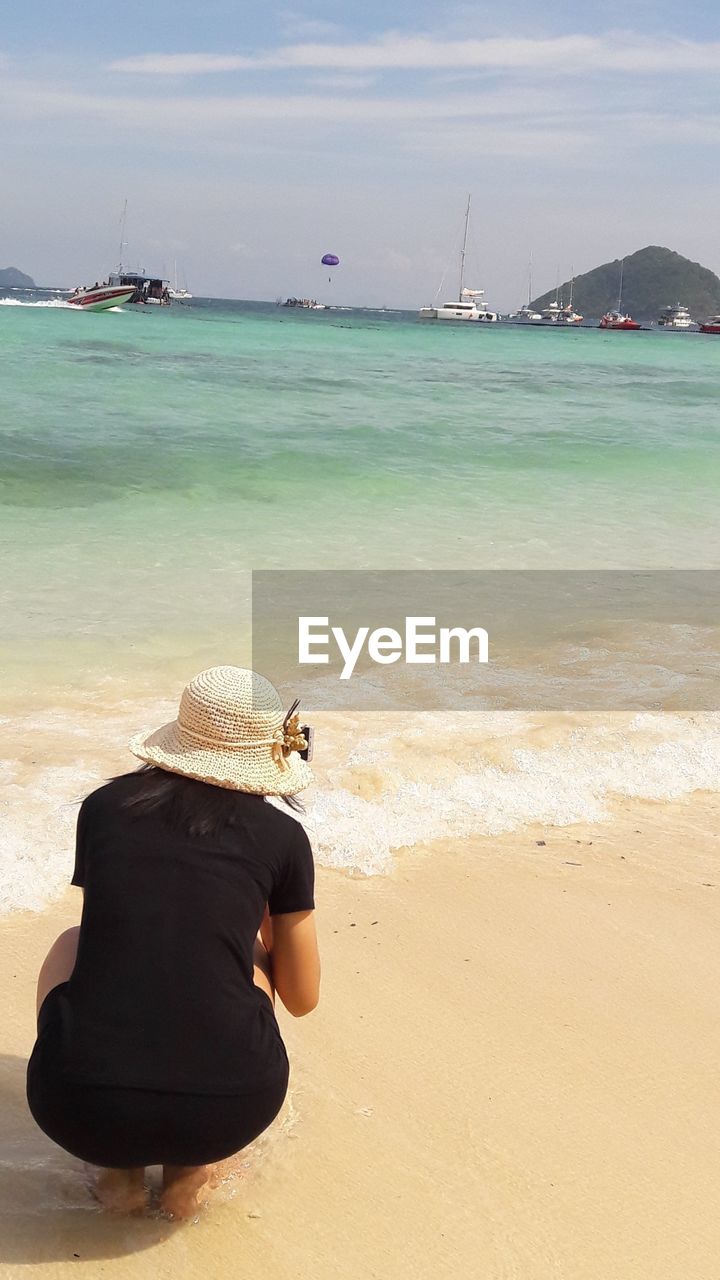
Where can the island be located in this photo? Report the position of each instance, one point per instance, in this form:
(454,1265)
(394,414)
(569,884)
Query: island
(11,278)
(653,278)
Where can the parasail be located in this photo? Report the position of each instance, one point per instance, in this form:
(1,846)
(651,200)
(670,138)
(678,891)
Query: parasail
(330,260)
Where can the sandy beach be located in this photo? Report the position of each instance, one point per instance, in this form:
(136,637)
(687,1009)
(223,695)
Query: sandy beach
(511,1074)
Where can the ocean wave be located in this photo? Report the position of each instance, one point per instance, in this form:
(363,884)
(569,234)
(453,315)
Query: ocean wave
(45,302)
(571,782)
(383,786)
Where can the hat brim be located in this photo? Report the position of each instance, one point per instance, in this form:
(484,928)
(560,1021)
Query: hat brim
(250,769)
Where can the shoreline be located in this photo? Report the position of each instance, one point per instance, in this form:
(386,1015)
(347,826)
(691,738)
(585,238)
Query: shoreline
(511,1072)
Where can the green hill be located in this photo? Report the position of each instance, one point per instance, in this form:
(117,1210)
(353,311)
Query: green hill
(11,278)
(653,278)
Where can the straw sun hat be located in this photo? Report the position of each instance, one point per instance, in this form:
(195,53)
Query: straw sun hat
(230,732)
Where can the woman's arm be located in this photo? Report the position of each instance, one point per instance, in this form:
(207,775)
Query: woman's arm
(295,959)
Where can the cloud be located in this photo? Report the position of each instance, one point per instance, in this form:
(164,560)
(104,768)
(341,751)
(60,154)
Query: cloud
(345,81)
(566,55)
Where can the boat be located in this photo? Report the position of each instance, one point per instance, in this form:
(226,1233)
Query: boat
(711,326)
(470,305)
(618,319)
(150,290)
(101,297)
(305,304)
(526,314)
(675,317)
(178,294)
(558,314)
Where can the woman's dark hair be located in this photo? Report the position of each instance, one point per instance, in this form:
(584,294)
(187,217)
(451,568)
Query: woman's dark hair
(191,807)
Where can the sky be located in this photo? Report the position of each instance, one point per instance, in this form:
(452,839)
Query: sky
(249,140)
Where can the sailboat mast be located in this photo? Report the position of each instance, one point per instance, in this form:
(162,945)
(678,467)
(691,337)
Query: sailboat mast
(530,280)
(622,271)
(463,251)
(123,218)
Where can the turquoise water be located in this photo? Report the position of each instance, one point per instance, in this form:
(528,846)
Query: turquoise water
(149,458)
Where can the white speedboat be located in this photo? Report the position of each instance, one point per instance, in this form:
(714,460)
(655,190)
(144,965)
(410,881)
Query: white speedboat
(675,317)
(101,297)
(470,305)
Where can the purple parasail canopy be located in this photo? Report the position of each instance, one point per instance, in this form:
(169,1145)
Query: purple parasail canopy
(330,260)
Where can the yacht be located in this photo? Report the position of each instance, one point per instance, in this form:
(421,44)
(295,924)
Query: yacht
(711,326)
(470,305)
(558,314)
(525,315)
(675,317)
(179,293)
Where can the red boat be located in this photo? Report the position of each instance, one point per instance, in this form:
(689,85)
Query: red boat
(711,326)
(616,320)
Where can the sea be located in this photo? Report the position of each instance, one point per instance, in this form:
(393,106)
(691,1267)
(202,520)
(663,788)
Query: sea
(150,458)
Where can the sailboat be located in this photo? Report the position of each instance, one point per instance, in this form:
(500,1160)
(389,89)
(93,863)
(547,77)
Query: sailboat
(526,315)
(470,303)
(558,314)
(178,295)
(618,319)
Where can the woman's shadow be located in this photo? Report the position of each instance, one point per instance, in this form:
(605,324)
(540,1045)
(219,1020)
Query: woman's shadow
(47,1212)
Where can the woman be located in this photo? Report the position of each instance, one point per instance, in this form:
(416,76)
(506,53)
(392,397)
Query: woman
(157,1039)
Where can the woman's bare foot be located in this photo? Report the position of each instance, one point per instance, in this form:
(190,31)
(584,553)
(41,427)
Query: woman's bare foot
(183,1188)
(121,1190)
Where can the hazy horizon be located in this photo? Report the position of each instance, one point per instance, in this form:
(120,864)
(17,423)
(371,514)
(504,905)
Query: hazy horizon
(248,145)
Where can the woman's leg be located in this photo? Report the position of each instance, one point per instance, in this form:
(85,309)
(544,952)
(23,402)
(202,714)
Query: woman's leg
(120,1189)
(185,1186)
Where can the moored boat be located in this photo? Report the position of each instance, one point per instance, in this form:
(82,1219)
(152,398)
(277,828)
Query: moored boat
(101,297)
(619,319)
(675,317)
(470,305)
(616,320)
(526,313)
(711,326)
(560,316)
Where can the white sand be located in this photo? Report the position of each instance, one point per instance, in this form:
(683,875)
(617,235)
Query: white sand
(512,1073)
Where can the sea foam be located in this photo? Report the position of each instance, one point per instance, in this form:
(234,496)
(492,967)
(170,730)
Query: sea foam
(393,790)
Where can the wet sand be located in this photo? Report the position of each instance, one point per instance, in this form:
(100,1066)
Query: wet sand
(512,1073)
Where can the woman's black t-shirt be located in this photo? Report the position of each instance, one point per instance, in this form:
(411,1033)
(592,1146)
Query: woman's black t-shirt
(162,994)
